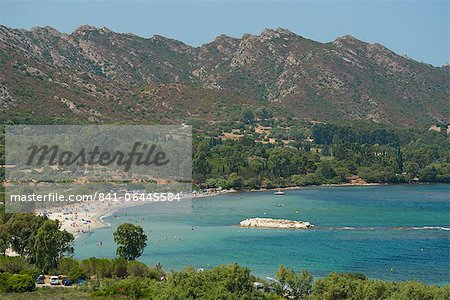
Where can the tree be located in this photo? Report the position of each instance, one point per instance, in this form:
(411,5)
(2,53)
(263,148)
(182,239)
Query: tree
(248,116)
(22,230)
(428,174)
(280,161)
(297,286)
(76,274)
(4,240)
(201,168)
(51,244)
(131,240)
(263,113)
(326,170)
(98,267)
(235,181)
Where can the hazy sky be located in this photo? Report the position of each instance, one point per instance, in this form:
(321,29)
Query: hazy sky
(417,28)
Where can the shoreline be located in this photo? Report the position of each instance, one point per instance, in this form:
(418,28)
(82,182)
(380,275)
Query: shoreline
(81,218)
(301,187)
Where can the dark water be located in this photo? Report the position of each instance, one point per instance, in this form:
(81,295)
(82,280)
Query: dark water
(386,232)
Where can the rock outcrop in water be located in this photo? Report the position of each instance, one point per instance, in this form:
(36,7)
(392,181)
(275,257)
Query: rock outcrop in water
(275,223)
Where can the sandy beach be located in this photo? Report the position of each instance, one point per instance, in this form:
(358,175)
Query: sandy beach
(79,218)
(82,217)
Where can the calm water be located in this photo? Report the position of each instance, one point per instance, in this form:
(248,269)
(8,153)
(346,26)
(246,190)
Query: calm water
(385,232)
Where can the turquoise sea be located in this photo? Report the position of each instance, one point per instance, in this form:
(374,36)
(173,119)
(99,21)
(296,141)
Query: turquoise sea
(399,232)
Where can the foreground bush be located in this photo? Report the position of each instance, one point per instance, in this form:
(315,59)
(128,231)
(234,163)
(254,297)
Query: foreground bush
(117,278)
(235,282)
(224,282)
(100,268)
(20,283)
(355,286)
(137,269)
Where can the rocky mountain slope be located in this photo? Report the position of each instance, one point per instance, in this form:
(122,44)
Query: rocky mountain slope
(97,75)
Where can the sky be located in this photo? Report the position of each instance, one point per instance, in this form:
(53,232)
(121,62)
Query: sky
(419,29)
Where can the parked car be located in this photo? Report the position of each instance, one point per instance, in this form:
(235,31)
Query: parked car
(40,279)
(258,286)
(66,282)
(54,280)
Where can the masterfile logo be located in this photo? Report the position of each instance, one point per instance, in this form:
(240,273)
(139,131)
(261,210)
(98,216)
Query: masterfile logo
(114,163)
(147,157)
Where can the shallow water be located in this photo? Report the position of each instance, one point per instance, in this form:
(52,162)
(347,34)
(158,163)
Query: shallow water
(388,232)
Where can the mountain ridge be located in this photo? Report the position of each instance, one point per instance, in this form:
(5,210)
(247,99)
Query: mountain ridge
(278,29)
(113,74)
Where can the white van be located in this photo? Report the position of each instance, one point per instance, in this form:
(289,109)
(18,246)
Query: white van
(54,280)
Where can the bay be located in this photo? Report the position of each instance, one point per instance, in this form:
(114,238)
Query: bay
(399,232)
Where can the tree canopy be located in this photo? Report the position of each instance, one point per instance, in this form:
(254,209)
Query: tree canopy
(131,240)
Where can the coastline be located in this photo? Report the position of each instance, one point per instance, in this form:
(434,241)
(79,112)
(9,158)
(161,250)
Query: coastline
(300,187)
(80,218)
(196,237)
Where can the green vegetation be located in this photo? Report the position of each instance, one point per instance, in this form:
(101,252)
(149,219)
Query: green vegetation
(304,154)
(43,246)
(288,153)
(50,244)
(16,283)
(356,286)
(160,80)
(125,277)
(113,278)
(36,238)
(224,282)
(132,241)
(295,286)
